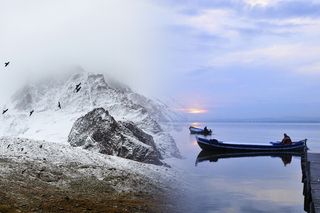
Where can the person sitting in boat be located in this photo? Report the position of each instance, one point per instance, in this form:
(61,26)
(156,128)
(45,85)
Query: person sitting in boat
(286,139)
(206,130)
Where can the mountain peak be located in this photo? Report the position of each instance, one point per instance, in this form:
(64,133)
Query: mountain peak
(77,94)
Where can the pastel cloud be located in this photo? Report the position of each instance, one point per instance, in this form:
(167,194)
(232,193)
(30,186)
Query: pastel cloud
(240,37)
(249,43)
(292,57)
(261,3)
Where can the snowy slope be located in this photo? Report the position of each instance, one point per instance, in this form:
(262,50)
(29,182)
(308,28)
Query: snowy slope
(83,161)
(50,123)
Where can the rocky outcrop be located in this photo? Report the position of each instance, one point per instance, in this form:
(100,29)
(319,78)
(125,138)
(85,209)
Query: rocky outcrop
(99,130)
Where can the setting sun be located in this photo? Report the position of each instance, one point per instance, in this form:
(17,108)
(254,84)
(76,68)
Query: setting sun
(196,110)
(193,110)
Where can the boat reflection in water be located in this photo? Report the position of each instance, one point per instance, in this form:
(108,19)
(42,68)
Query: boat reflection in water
(212,156)
(286,157)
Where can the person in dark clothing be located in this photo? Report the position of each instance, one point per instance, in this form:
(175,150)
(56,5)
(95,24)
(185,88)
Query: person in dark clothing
(206,130)
(286,139)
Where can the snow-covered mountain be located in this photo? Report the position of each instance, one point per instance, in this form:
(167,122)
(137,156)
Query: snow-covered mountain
(50,123)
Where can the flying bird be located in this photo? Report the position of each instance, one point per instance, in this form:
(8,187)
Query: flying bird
(78,89)
(59,105)
(31,112)
(4,111)
(6,64)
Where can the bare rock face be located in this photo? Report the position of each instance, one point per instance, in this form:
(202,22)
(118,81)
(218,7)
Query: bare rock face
(99,130)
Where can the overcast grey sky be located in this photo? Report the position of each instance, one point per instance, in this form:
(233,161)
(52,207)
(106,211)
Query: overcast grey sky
(117,37)
(225,58)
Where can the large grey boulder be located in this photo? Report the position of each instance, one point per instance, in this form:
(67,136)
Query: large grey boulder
(99,130)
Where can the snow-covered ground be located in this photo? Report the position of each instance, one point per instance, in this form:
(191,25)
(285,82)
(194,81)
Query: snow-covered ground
(42,176)
(51,153)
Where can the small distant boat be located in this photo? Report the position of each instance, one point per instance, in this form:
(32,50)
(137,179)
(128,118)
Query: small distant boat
(215,145)
(196,130)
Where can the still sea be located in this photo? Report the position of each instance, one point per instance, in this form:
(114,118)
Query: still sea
(244,183)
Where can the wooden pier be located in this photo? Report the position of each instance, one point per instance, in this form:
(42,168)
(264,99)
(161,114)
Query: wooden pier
(310,165)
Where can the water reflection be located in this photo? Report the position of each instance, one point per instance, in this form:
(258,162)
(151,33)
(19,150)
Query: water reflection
(286,157)
(244,184)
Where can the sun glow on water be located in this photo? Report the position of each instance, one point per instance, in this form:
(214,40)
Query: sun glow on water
(196,124)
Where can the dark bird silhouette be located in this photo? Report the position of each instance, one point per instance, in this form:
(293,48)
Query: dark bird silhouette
(21,149)
(78,89)
(6,64)
(40,146)
(31,112)
(8,146)
(59,105)
(4,111)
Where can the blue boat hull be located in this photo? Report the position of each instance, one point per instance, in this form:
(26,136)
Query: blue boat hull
(215,145)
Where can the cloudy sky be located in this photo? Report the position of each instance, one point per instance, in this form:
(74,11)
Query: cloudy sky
(117,37)
(248,58)
(225,59)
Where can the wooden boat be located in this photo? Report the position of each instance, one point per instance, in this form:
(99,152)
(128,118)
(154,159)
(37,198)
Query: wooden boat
(214,156)
(215,145)
(196,130)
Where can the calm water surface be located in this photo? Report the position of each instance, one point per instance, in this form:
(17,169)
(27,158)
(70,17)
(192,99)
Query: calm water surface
(245,184)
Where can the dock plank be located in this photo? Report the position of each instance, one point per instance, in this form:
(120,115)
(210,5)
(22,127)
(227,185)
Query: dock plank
(314,178)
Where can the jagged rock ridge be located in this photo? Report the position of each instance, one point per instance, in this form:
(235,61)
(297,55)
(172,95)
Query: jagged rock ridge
(99,130)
